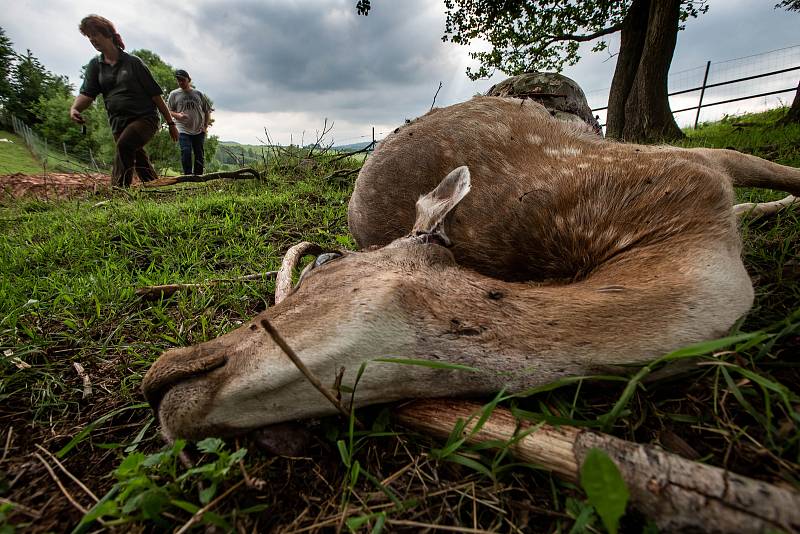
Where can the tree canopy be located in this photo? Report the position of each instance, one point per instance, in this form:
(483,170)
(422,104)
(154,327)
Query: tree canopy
(538,35)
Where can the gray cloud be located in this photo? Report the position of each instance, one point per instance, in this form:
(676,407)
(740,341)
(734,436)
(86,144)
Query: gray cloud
(288,65)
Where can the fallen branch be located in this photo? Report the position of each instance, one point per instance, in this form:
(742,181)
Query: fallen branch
(341,173)
(348,154)
(678,494)
(246,173)
(167,290)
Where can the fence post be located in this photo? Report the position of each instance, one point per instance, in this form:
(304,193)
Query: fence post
(702,92)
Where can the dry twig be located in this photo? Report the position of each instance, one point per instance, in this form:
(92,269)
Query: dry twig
(305,370)
(198,515)
(55,478)
(70,475)
(87,384)
(167,290)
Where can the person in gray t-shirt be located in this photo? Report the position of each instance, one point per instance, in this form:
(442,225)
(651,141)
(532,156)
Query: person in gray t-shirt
(192,113)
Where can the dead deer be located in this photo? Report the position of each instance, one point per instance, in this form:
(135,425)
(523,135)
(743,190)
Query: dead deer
(545,251)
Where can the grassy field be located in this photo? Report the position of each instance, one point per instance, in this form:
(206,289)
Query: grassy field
(15,156)
(68,309)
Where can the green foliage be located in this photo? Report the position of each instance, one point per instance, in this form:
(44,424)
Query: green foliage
(605,489)
(792,5)
(7,56)
(56,126)
(536,36)
(162,72)
(363,7)
(151,487)
(30,82)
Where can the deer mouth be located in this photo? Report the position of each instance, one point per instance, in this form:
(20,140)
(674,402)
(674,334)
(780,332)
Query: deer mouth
(157,382)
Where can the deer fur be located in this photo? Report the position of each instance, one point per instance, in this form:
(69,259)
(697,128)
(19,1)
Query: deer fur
(564,254)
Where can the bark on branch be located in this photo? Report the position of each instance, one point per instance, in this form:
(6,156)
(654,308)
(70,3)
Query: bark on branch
(172,180)
(678,494)
(583,38)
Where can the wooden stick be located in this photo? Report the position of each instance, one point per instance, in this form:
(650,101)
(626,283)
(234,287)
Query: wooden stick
(199,514)
(70,475)
(678,494)
(172,180)
(55,478)
(305,370)
(167,290)
(87,383)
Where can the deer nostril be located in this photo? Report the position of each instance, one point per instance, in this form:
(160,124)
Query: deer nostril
(175,366)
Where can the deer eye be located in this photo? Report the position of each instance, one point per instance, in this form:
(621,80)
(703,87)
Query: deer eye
(325,258)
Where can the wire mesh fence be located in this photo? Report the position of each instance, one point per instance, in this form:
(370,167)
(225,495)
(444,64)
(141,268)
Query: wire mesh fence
(58,157)
(742,85)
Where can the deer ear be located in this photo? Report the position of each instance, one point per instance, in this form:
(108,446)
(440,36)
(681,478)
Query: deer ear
(433,208)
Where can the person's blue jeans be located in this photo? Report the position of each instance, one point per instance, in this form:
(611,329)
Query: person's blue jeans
(192,143)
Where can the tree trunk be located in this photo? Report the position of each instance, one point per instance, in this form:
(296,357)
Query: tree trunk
(793,115)
(632,37)
(647,113)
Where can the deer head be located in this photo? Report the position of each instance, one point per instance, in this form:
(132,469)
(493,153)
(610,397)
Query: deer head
(410,301)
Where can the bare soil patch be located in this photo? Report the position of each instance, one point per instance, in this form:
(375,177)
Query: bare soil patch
(52,185)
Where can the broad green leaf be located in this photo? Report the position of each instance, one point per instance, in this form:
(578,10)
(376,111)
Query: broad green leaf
(210,445)
(604,487)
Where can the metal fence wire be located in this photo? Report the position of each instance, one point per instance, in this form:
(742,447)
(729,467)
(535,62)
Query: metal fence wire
(58,157)
(762,80)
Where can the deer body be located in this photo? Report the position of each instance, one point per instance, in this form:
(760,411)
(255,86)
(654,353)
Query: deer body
(568,254)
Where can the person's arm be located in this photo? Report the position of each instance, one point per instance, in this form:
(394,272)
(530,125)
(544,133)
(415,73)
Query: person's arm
(177,115)
(81,102)
(87,93)
(162,107)
(206,121)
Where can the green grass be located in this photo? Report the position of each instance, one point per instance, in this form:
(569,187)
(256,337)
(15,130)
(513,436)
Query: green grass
(15,156)
(68,274)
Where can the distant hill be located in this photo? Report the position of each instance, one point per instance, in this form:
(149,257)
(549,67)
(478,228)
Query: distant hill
(352,147)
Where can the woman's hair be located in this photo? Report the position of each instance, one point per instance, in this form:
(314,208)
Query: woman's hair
(103,26)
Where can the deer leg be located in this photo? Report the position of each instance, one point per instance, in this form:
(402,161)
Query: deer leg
(745,170)
(758,209)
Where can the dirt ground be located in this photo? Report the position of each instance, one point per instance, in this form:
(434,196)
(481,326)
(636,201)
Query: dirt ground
(52,185)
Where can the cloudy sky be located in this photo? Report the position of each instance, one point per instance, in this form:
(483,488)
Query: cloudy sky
(288,65)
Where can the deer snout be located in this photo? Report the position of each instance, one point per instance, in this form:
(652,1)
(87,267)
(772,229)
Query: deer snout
(176,365)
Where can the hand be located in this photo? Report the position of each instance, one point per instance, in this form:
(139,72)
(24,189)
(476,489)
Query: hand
(179,116)
(76,116)
(173,133)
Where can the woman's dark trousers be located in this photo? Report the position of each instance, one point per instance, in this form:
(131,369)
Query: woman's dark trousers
(130,156)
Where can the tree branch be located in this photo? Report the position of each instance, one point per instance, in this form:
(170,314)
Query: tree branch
(583,38)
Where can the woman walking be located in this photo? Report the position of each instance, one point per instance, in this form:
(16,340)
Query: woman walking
(131,97)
